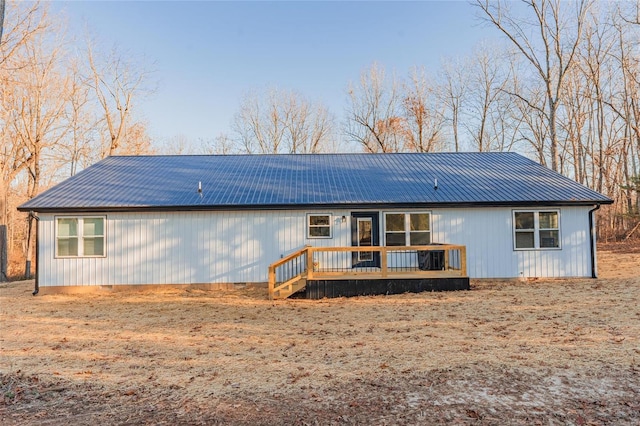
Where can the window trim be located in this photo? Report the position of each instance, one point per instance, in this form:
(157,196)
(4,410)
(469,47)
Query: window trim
(80,237)
(536,229)
(407,226)
(309,226)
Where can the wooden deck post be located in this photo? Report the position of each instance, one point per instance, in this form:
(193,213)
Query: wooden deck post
(272,281)
(446,259)
(383,262)
(309,262)
(463,261)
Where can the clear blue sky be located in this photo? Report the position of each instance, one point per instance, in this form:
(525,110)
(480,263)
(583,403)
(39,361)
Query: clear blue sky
(207,54)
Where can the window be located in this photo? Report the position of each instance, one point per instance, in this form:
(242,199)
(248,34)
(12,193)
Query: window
(93,236)
(536,229)
(407,229)
(394,229)
(319,226)
(67,237)
(80,236)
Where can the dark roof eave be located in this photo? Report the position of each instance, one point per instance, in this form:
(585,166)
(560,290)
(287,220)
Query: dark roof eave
(105,209)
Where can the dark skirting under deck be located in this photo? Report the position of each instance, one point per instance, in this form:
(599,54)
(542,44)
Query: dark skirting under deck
(317,289)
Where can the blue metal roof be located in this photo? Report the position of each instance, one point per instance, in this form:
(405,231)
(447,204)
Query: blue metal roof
(296,181)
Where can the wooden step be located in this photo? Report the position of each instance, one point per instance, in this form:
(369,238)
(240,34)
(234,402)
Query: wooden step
(290,287)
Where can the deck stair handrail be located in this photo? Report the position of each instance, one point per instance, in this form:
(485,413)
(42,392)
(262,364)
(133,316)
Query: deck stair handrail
(291,273)
(288,275)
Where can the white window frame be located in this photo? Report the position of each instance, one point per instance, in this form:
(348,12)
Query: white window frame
(309,226)
(536,229)
(80,237)
(407,226)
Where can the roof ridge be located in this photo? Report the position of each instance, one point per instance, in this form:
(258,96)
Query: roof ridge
(314,154)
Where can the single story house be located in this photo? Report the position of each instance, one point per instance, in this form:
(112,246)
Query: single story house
(219,220)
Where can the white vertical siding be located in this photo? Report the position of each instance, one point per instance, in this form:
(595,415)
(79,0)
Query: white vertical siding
(185,247)
(227,247)
(488,235)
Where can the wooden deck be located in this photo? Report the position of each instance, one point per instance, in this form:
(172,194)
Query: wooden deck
(438,261)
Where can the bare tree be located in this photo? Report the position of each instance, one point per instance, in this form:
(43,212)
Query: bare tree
(77,149)
(453,93)
(179,144)
(12,157)
(259,124)
(282,122)
(578,115)
(38,94)
(136,140)
(116,84)
(594,68)
(535,128)
(505,121)
(26,22)
(223,144)
(309,126)
(38,114)
(423,115)
(488,79)
(616,158)
(551,54)
(373,117)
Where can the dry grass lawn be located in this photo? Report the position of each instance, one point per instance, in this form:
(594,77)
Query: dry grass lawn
(539,352)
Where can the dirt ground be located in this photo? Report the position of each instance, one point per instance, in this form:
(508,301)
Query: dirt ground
(537,352)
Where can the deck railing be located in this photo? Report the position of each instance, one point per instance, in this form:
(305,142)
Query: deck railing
(431,261)
(332,263)
(284,273)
